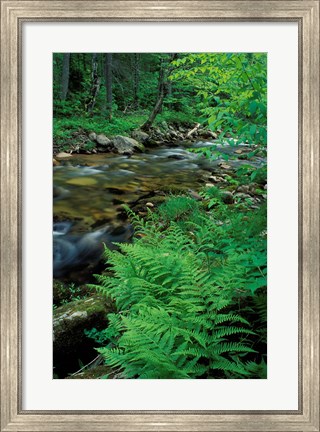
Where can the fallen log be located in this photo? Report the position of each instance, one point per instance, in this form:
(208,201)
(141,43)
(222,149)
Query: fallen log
(193,130)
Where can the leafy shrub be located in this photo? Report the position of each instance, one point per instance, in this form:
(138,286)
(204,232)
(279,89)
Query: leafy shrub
(233,90)
(248,173)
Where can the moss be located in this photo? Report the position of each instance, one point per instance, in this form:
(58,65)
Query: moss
(70,345)
(91,305)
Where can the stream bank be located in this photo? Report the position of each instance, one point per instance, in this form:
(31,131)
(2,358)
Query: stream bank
(89,193)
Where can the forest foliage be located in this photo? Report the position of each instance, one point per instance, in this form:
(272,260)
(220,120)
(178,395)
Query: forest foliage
(116,93)
(190,290)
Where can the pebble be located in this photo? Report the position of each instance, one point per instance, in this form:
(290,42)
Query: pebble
(225,166)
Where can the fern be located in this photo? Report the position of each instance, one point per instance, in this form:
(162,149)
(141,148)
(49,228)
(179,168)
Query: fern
(178,289)
(170,349)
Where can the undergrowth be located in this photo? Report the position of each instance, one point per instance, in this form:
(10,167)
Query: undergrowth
(66,128)
(190,293)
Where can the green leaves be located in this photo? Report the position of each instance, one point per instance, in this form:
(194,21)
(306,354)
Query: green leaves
(177,291)
(236,86)
(257,283)
(253,130)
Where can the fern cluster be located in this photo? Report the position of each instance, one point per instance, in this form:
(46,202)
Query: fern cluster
(178,289)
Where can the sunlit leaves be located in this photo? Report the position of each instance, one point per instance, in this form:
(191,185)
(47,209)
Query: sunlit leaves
(233,91)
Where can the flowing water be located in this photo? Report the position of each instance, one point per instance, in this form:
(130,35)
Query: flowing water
(89,192)
(92,188)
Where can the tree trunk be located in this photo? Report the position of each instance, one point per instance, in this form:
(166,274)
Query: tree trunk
(65,76)
(95,84)
(156,110)
(136,80)
(108,82)
(169,94)
(158,106)
(164,87)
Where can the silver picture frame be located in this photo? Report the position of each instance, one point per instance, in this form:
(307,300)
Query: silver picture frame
(13,15)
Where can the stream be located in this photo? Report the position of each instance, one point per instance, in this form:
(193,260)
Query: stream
(89,192)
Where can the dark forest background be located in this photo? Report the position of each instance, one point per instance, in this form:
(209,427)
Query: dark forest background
(116,93)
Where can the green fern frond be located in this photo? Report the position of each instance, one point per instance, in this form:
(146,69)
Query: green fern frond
(176,288)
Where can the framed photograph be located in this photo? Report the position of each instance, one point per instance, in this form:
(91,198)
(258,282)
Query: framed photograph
(160,215)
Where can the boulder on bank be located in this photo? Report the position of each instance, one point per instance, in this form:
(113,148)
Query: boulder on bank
(69,322)
(92,136)
(72,318)
(103,141)
(140,136)
(126,145)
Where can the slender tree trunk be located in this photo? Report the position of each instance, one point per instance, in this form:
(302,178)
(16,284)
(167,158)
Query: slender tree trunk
(163,87)
(136,80)
(84,62)
(169,88)
(173,56)
(65,76)
(108,82)
(95,84)
(158,105)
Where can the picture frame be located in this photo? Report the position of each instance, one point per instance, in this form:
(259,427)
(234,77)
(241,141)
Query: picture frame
(13,15)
